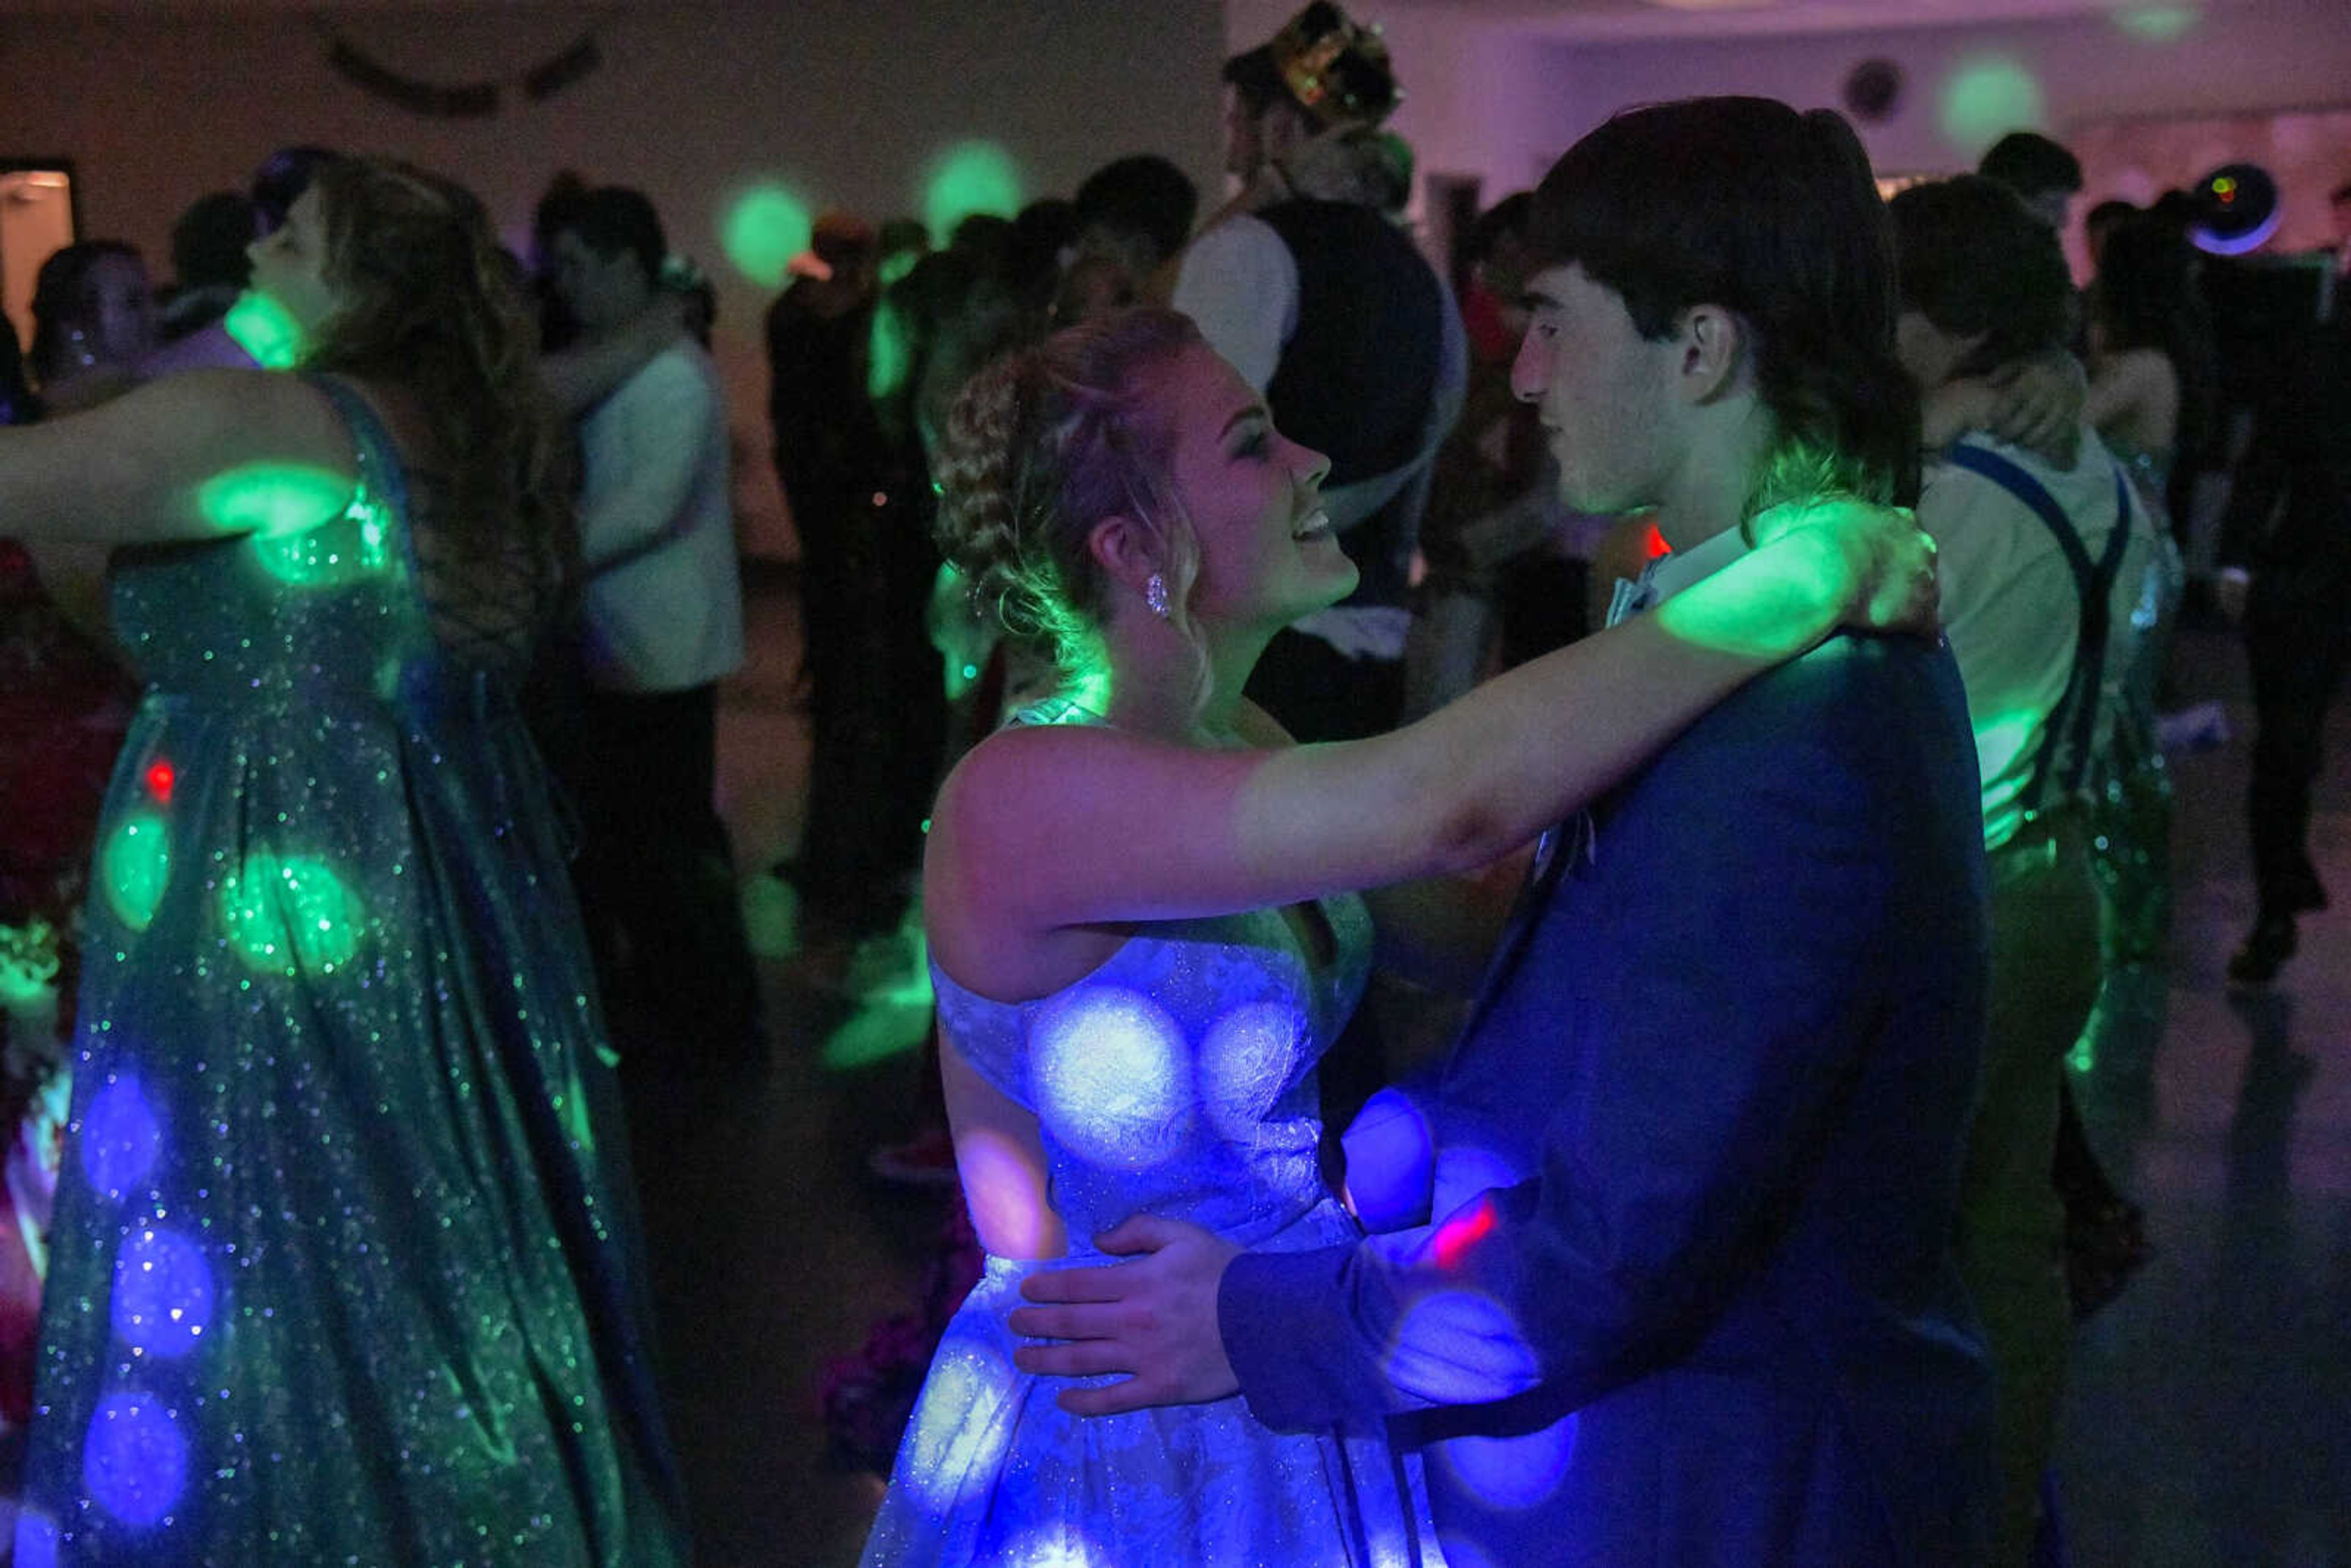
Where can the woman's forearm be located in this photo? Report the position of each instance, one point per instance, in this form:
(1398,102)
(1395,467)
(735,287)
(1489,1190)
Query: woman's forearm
(1491,770)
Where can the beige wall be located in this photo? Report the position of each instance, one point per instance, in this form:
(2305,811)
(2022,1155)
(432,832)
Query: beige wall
(1495,91)
(843,100)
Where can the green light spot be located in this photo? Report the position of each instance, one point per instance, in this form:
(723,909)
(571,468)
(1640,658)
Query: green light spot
(2158,23)
(1090,688)
(762,229)
(290,912)
(968,177)
(28,962)
(2083,1058)
(262,328)
(889,353)
(272,498)
(887,1025)
(1987,97)
(896,265)
(134,866)
(306,525)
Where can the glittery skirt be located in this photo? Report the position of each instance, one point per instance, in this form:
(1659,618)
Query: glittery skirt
(992,1470)
(344,1267)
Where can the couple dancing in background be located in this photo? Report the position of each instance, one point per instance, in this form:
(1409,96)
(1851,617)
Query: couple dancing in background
(1661,1268)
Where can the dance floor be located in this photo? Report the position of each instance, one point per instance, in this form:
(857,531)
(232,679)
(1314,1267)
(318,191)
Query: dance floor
(2208,1420)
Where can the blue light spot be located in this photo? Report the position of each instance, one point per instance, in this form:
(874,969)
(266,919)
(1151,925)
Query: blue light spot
(962,1425)
(2216,244)
(163,1293)
(1111,1078)
(1460,1347)
(1246,1062)
(36,1540)
(1390,1161)
(134,1462)
(1511,1472)
(1054,1547)
(1464,1555)
(1465,1169)
(120,1138)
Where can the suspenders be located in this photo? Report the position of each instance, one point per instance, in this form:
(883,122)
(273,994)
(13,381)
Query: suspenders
(2065,749)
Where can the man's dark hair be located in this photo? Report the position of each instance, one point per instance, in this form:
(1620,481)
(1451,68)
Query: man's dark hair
(1144,195)
(64,295)
(1322,64)
(610,220)
(282,178)
(1745,203)
(1510,215)
(2029,164)
(1257,80)
(2107,216)
(209,240)
(1973,258)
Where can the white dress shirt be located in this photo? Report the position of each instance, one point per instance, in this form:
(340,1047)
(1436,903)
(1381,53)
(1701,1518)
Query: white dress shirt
(665,602)
(2011,611)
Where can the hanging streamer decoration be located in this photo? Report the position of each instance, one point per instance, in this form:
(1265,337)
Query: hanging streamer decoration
(466,100)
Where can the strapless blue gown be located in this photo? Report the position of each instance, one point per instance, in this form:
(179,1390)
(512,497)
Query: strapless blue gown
(1177,1079)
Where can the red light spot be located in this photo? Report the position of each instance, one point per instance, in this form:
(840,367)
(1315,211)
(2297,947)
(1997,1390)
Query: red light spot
(1464,1230)
(159,775)
(1654,543)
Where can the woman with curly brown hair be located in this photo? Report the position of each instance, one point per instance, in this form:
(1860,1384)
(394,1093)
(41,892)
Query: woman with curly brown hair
(344,1264)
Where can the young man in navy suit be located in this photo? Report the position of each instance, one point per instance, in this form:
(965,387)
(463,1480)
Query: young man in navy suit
(1689,1296)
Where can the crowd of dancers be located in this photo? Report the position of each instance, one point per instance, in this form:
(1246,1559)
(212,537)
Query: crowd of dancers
(1717,635)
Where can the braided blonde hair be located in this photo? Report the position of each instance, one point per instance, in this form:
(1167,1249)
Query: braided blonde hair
(1042,445)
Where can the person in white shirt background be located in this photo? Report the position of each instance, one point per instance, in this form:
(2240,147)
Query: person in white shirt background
(661,624)
(2041,562)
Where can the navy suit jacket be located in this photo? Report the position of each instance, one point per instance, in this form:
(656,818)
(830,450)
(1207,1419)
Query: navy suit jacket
(1690,1298)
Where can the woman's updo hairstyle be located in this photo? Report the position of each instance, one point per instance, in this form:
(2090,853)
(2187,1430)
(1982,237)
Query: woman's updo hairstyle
(1042,445)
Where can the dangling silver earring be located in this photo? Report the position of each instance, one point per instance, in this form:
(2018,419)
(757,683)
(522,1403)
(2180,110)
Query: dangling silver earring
(1154,594)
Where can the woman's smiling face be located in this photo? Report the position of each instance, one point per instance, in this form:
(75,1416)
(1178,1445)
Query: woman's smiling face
(1267,553)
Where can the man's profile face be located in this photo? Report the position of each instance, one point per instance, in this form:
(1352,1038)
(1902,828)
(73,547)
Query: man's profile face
(1601,390)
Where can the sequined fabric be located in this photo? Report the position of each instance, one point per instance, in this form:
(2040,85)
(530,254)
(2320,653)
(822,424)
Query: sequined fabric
(2129,813)
(344,1267)
(1177,1078)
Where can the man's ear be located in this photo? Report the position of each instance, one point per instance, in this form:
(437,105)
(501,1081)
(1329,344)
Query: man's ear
(1127,552)
(1712,353)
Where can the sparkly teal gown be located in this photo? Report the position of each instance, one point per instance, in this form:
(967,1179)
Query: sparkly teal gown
(344,1266)
(2130,806)
(1177,1078)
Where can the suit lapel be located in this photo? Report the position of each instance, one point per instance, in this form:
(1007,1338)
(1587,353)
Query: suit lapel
(1563,844)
